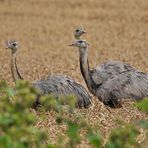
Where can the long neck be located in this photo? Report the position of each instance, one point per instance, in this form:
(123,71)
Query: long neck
(77,37)
(84,66)
(15,72)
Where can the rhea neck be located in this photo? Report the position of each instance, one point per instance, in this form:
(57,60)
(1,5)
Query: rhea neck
(77,37)
(85,70)
(14,70)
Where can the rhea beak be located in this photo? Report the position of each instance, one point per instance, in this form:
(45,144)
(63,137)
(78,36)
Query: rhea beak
(7,47)
(72,44)
(84,31)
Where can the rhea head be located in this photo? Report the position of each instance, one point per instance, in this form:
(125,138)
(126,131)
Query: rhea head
(81,44)
(13,45)
(78,32)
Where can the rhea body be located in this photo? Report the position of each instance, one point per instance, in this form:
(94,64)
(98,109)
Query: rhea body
(113,82)
(57,85)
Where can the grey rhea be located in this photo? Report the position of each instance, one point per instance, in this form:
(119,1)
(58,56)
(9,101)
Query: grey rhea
(110,86)
(78,32)
(108,69)
(57,85)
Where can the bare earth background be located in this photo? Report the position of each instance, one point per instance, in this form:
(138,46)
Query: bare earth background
(117,29)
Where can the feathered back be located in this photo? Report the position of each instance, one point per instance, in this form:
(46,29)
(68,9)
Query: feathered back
(128,85)
(108,70)
(60,85)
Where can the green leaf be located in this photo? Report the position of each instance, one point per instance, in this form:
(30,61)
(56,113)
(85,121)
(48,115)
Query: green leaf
(10,92)
(95,140)
(123,136)
(73,133)
(144,124)
(142,105)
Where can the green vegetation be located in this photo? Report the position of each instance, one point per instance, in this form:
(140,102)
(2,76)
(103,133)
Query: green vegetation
(143,105)
(123,136)
(17,122)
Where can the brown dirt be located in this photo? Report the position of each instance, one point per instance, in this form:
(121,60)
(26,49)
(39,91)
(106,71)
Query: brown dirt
(116,30)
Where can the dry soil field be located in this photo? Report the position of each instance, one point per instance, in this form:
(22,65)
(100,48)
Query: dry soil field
(117,29)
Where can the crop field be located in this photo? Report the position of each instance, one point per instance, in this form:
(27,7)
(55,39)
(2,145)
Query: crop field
(116,30)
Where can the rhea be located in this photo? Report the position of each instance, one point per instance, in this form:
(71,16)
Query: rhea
(57,85)
(108,69)
(127,84)
(78,32)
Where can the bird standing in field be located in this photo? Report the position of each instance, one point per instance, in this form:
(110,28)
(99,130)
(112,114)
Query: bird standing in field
(113,82)
(57,85)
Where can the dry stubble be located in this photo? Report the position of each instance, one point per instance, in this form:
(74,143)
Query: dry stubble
(116,30)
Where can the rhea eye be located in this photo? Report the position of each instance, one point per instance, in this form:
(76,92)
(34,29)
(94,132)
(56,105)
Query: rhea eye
(80,42)
(14,44)
(77,30)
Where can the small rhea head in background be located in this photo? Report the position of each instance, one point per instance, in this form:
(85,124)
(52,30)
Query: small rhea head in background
(78,32)
(13,45)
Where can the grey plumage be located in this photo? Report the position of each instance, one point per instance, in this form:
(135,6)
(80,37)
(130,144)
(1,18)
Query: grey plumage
(60,85)
(114,81)
(127,85)
(57,85)
(109,70)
